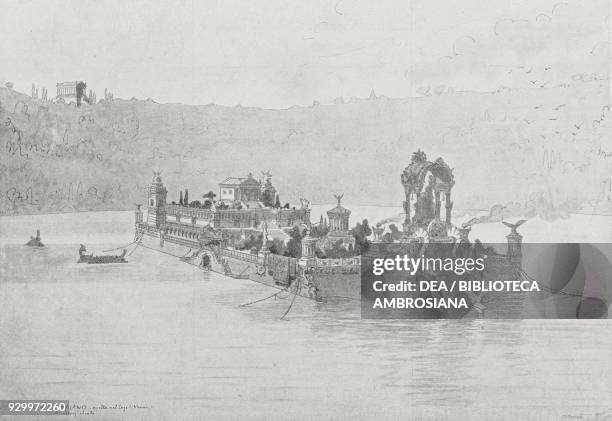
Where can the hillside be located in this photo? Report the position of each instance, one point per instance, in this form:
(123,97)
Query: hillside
(547,146)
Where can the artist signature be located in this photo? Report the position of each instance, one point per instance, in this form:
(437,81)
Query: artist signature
(605,415)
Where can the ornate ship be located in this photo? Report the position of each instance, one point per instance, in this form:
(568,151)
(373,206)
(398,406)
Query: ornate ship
(208,238)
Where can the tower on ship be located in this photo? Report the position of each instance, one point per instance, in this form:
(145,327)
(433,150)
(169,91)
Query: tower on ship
(339,232)
(156,204)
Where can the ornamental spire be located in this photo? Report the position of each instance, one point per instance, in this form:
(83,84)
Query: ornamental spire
(339,197)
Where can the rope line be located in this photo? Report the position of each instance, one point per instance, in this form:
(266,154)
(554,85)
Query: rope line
(343,297)
(122,247)
(297,290)
(134,249)
(546,287)
(263,299)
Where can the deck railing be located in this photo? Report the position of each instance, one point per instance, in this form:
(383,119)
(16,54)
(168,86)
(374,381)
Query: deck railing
(240,255)
(346,261)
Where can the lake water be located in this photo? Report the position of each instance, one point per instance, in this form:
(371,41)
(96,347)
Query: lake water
(164,341)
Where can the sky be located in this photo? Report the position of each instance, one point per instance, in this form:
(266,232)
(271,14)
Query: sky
(280,53)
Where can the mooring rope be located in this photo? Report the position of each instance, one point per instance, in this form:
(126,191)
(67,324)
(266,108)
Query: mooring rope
(134,249)
(298,287)
(127,245)
(119,248)
(136,240)
(263,299)
(342,297)
(546,287)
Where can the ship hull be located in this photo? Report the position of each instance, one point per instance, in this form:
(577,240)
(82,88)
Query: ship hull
(342,282)
(228,262)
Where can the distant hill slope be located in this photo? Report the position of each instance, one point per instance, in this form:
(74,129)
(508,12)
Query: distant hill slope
(550,146)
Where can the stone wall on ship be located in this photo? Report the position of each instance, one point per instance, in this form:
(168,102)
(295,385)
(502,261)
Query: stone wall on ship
(335,278)
(239,218)
(184,242)
(322,278)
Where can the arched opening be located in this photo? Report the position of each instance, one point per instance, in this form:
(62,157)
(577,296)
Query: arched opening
(205,261)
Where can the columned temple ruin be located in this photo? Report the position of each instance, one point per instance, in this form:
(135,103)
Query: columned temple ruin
(74,92)
(66,90)
(427,186)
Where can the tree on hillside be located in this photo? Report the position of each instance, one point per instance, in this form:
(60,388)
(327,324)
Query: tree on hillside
(277,203)
(394,234)
(252,242)
(338,251)
(361,231)
(267,199)
(210,195)
(320,254)
(277,246)
(294,246)
(186,197)
(268,194)
(319,230)
(181,198)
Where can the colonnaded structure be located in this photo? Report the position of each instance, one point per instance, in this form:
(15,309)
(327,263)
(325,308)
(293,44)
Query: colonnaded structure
(187,225)
(75,92)
(338,225)
(427,186)
(248,211)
